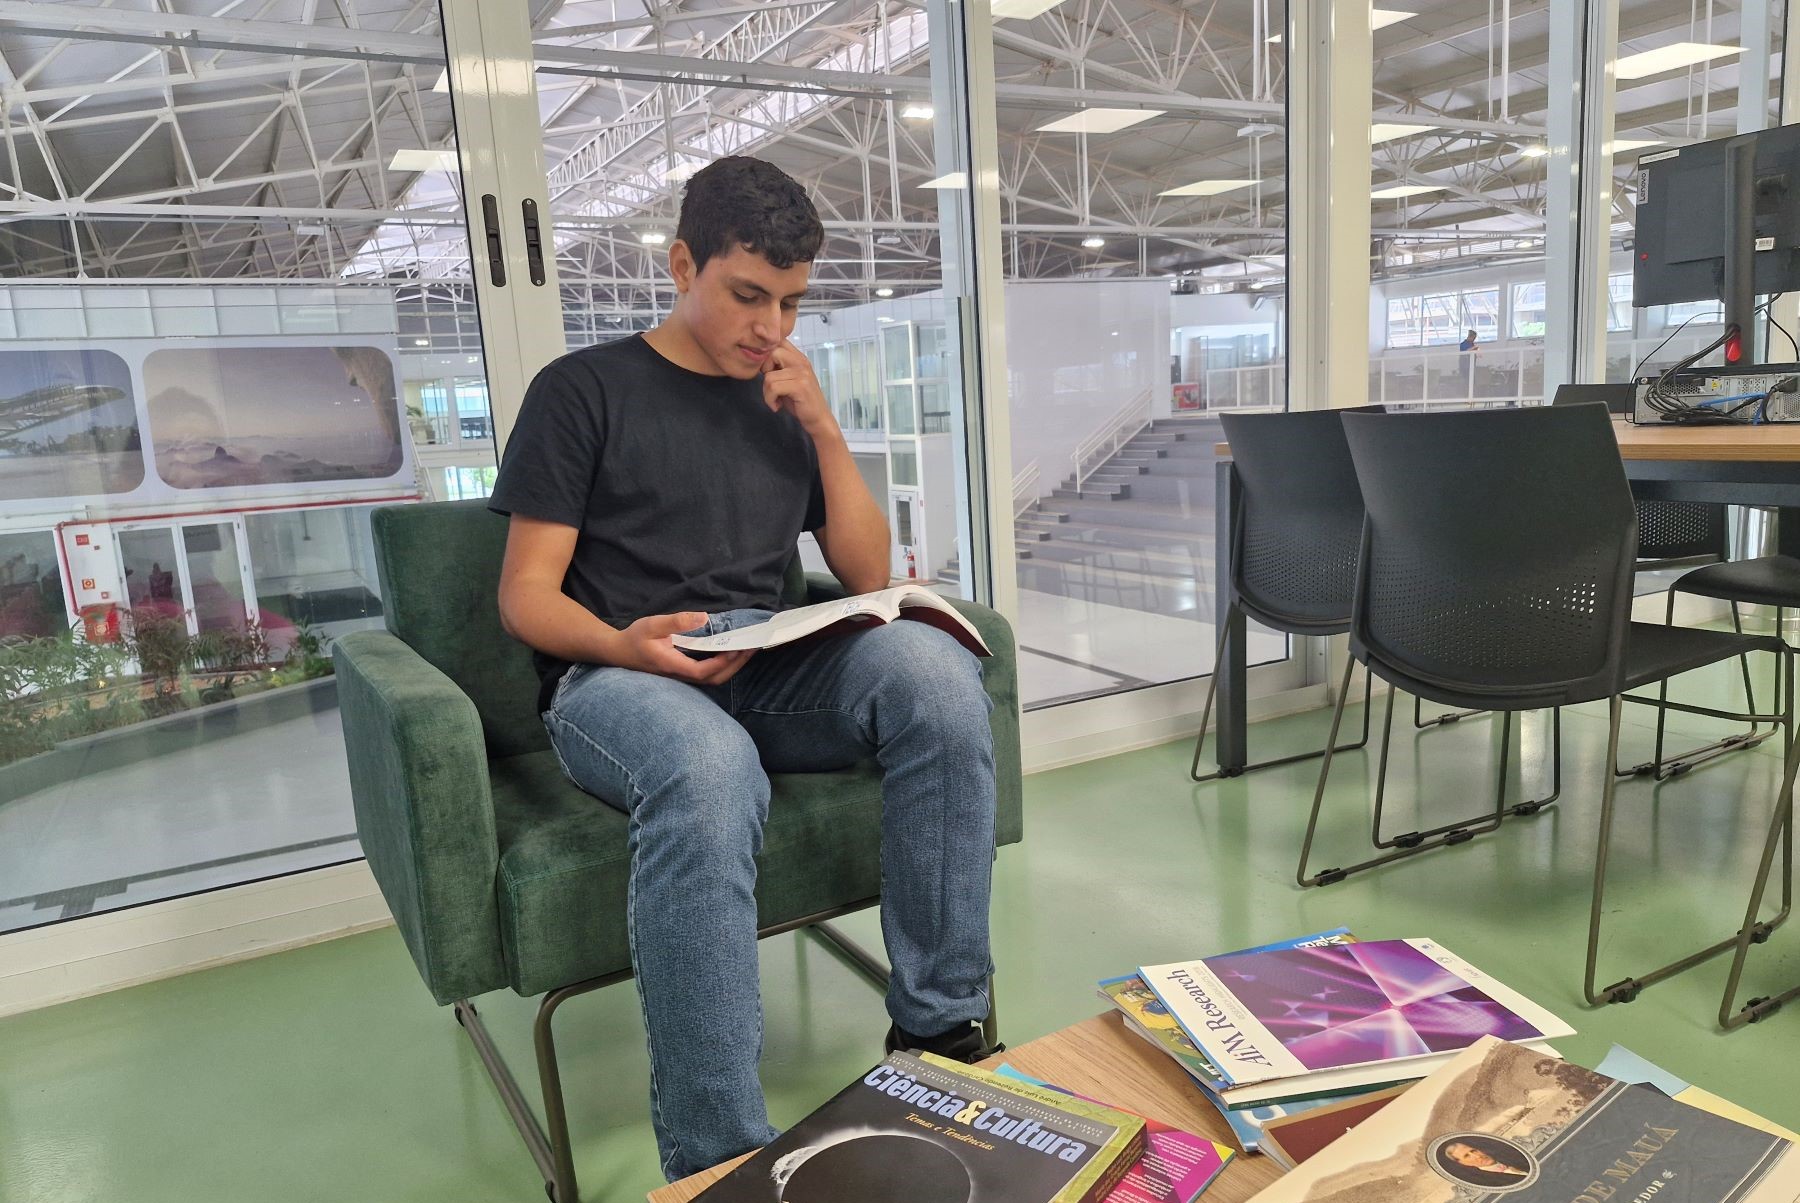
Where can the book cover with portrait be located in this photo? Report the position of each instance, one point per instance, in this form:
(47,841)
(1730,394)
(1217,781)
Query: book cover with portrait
(1503,1124)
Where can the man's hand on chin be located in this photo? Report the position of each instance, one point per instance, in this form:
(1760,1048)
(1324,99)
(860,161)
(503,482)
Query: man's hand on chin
(791,384)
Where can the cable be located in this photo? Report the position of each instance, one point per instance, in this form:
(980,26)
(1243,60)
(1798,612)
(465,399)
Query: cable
(1776,325)
(1665,342)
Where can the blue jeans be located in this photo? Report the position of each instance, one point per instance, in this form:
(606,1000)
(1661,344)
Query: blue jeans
(689,765)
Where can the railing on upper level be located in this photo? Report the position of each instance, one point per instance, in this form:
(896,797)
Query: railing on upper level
(1109,436)
(1444,377)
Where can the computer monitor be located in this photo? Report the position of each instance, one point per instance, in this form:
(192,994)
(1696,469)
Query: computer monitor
(1720,221)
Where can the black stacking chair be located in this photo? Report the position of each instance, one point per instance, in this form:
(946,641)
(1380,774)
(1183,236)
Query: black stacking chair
(1673,533)
(1495,572)
(1297,523)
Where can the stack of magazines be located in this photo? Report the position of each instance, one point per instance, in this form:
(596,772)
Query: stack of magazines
(1279,1030)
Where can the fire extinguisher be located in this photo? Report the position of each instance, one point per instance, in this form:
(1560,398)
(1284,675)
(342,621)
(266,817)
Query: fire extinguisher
(912,566)
(100,623)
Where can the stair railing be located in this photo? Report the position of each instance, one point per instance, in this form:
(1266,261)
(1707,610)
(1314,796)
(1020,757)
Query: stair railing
(1027,488)
(1111,435)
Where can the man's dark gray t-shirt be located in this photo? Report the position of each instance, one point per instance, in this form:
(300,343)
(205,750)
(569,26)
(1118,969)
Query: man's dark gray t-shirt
(687,490)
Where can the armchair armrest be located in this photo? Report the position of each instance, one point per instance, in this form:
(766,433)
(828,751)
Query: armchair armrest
(424,810)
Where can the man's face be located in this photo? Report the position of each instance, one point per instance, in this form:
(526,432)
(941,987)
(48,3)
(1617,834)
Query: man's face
(739,307)
(1470,1156)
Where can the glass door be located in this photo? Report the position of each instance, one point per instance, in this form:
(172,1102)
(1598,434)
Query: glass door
(842,97)
(238,316)
(221,596)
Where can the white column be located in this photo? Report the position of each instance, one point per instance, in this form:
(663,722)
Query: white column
(968,141)
(499,136)
(1578,213)
(1330,100)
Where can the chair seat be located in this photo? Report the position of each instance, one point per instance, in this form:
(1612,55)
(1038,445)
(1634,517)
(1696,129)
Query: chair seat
(1654,652)
(1764,581)
(564,864)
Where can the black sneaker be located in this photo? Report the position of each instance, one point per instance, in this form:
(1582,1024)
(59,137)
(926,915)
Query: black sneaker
(967,1043)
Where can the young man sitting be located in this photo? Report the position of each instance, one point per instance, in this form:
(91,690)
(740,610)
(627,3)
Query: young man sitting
(657,485)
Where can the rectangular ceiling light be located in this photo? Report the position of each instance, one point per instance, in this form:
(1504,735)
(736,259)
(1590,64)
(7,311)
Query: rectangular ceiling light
(424,160)
(1022,10)
(1401,191)
(1387,131)
(956,179)
(1671,58)
(1098,121)
(1379,18)
(1208,187)
(1625,146)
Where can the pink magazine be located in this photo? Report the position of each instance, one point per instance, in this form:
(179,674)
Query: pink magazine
(1175,1168)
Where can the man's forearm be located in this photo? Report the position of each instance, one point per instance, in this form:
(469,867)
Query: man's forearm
(856,526)
(557,625)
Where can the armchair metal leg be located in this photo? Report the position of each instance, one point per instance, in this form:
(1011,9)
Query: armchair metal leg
(550,1148)
(552,1153)
(1212,689)
(1754,931)
(1663,767)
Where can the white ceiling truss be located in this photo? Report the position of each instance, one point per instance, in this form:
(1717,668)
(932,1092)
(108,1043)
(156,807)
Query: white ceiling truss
(225,139)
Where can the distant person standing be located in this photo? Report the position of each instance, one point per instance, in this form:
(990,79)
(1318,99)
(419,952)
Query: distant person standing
(1468,364)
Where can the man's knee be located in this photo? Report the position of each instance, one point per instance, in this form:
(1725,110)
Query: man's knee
(932,679)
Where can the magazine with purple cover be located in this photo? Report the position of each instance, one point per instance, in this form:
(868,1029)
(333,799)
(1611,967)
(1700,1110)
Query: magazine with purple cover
(1282,1013)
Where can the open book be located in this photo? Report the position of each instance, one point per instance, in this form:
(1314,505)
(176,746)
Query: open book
(868,610)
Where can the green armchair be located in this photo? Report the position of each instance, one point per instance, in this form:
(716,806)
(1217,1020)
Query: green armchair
(498,870)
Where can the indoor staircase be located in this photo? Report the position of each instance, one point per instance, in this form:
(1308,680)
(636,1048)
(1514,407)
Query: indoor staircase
(1137,533)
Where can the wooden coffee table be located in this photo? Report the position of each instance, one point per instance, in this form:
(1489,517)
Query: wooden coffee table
(1100,1058)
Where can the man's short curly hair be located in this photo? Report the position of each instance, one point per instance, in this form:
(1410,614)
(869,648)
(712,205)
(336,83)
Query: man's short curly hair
(741,201)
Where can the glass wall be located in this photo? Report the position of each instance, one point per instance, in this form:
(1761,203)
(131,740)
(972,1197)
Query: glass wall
(1459,115)
(210,310)
(1145,263)
(875,317)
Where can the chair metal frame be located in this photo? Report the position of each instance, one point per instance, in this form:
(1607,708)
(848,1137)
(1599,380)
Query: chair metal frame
(1662,767)
(1412,843)
(1232,612)
(1753,931)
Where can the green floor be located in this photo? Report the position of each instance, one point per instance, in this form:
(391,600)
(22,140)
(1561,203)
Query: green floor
(327,1074)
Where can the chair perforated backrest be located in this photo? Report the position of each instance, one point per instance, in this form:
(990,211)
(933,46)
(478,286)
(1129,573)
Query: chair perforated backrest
(1498,552)
(1667,530)
(1680,530)
(1298,521)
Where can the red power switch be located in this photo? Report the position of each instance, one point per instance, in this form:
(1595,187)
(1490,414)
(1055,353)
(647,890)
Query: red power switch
(1734,347)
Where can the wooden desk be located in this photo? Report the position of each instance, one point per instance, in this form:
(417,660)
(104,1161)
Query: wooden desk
(1735,465)
(1709,444)
(1098,1057)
